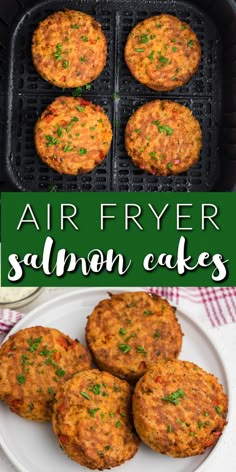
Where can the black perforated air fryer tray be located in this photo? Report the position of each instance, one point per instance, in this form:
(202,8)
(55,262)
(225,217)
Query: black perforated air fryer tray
(119,94)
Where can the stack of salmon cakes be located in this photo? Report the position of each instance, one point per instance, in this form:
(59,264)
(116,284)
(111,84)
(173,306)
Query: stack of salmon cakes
(136,390)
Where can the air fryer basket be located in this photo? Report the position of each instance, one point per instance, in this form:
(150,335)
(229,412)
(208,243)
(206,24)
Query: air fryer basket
(120,95)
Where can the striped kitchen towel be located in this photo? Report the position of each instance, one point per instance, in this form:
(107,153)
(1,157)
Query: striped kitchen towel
(212,306)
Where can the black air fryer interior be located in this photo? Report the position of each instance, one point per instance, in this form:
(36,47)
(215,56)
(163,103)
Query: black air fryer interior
(212,102)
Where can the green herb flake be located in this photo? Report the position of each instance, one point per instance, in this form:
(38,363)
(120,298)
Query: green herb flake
(169,165)
(100,120)
(141,350)
(60,372)
(85,395)
(93,411)
(152,36)
(174,49)
(144,38)
(50,390)
(183,27)
(163,128)
(122,414)
(39,390)
(82,59)
(66,64)
(58,53)
(148,312)
(131,305)
(96,389)
(207,423)
(60,131)
(50,141)
(112,414)
(82,151)
(100,453)
(118,424)
(200,424)
(84,38)
(156,334)
(139,50)
(159,25)
(102,415)
(20,379)
(163,60)
(124,348)
(218,410)
(80,108)
(151,56)
(34,343)
(107,447)
(77,92)
(137,130)
(67,148)
(174,397)
(122,331)
(88,87)
(169,428)
(192,434)
(206,414)
(190,43)
(153,154)
(75,26)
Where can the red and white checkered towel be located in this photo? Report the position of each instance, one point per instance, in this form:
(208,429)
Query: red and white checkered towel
(212,306)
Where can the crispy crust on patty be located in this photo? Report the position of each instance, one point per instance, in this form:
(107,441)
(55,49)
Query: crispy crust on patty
(163,138)
(129,331)
(92,420)
(162,52)
(69,48)
(179,409)
(34,362)
(73,135)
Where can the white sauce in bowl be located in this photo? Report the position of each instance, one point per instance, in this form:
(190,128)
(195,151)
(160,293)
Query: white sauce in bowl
(14,294)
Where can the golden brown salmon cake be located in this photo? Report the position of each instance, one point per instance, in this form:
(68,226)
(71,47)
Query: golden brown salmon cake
(34,362)
(162,52)
(179,409)
(163,138)
(92,420)
(73,135)
(69,48)
(129,331)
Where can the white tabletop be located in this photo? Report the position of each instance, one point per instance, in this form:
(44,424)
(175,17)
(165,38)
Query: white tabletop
(225,338)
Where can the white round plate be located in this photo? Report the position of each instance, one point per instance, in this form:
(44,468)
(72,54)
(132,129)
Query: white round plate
(33,447)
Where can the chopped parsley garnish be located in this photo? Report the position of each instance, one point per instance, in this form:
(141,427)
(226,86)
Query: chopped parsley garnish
(151,56)
(174,49)
(107,447)
(85,395)
(132,304)
(137,130)
(218,410)
(207,423)
(124,348)
(139,50)
(58,53)
(51,141)
(159,25)
(82,59)
(122,414)
(164,60)
(152,36)
(144,38)
(82,151)
(153,154)
(156,334)
(100,120)
(60,372)
(190,43)
(122,331)
(111,414)
(75,26)
(96,389)
(93,411)
(80,108)
(77,92)
(118,424)
(200,424)
(84,38)
(183,27)
(92,128)
(163,128)
(88,87)
(148,312)
(192,434)
(60,131)
(67,148)
(170,164)
(50,390)
(20,379)
(206,414)
(174,397)
(66,64)
(133,335)
(34,343)
(100,453)
(169,428)
(141,350)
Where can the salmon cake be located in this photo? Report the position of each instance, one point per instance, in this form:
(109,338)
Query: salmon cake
(162,52)
(72,136)
(69,49)
(34,362)
(163,138)
(128,332)
(92,420)
(179,409)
